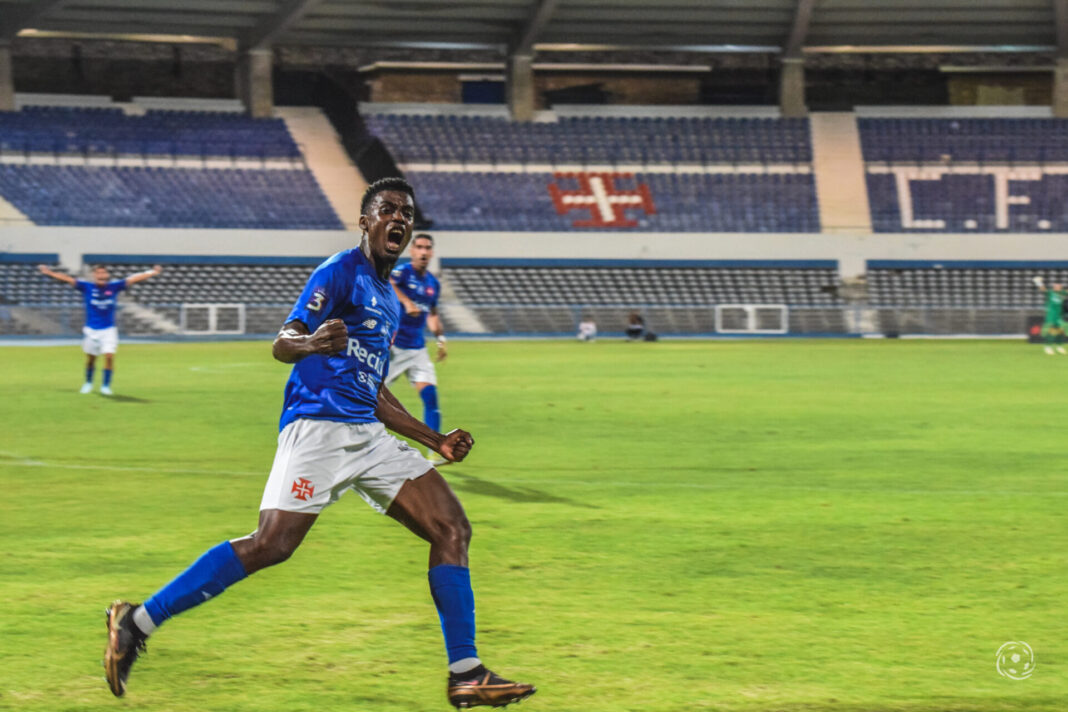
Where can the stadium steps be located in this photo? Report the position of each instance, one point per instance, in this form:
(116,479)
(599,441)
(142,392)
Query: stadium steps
(456,315)
(338,178)
(841,192)
(153,320)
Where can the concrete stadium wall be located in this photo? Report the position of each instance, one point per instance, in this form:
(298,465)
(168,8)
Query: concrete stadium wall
(851,250)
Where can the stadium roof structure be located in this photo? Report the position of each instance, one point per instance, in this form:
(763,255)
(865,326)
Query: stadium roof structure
(789,27)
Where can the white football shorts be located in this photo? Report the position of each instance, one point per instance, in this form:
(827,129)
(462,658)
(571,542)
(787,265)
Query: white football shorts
(317,461)
(100,341)
(415,362)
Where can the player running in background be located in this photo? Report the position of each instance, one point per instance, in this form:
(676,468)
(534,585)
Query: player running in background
(332,440)
(1054,326)
(101,335)
(418,291)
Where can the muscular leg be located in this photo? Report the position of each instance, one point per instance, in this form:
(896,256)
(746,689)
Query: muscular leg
(278,536)
(90,365)
(429,508)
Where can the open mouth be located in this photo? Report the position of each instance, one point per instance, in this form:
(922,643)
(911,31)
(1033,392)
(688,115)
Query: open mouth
(394,239)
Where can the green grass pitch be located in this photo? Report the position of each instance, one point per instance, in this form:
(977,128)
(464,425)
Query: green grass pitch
(790,526)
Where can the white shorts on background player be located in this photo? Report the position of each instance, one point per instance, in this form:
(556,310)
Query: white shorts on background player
(319,460)
(100,341)
(415,362)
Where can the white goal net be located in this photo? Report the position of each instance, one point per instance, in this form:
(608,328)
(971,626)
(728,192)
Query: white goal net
(752,318)
(207,319)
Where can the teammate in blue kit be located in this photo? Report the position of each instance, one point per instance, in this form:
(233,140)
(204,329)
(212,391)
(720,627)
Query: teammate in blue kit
(332,440)
(101,335)
(418,291)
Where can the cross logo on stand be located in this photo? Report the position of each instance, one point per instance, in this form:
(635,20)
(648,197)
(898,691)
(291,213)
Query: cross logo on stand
(598,193)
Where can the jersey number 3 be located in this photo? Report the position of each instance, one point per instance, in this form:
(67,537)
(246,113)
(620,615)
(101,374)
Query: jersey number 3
(317,301)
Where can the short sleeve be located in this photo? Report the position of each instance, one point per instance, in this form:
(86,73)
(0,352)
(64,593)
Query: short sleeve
(118,285)
(82,286)
(324,293)
(397,273)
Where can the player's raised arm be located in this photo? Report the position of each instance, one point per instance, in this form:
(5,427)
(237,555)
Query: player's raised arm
(453,445)
(43,269)
(142,276)
(294,342)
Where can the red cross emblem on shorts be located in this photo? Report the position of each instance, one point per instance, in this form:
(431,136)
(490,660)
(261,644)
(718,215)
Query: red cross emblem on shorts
(302,489)
(598,193)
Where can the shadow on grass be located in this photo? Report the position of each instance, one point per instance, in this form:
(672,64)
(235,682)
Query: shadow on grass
(127,399)
(470,483)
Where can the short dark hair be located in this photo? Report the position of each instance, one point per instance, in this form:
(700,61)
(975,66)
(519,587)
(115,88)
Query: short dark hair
(422,236)
(393,183)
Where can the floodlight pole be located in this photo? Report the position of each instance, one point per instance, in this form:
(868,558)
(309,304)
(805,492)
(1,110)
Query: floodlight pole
(792,76)
(1060,69)
(520,77)
(7,78)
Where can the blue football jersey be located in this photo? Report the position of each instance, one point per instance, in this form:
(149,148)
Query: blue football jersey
(343,387)
(424,291)
(100,302)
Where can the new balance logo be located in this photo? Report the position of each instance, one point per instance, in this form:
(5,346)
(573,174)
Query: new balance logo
(370,323)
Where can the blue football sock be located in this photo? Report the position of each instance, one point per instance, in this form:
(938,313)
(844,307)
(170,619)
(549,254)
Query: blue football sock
(209,576)
(89,374)
(107,376)
(431,414)
(451,587)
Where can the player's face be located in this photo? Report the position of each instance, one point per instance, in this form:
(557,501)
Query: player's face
(101,276)
(388,224)
(1058,287)
(422,250)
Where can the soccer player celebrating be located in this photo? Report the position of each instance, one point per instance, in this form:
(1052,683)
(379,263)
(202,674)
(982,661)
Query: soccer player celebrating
(101,335)
(333,439)
(417,290)
(1054,326)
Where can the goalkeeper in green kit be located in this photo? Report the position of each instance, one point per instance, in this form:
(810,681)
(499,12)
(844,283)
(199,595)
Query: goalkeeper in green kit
(1054,327)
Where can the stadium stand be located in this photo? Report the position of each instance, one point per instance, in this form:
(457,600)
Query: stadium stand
(167,197)
(109,131)
(953,297)
(189,193)
(524,296)
(592,139)
(678,202)
(598,173)
(966,175)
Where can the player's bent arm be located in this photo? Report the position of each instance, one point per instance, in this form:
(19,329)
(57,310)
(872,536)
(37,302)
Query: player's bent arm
(56,275)
(454,445)
(142,276)
(294,342)
(433,321)
(409,306)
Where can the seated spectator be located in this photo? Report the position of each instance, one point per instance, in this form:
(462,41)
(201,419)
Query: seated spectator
(636,330)
(587,329)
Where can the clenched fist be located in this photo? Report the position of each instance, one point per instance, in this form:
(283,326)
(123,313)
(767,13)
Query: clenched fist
(456,445)
(330,338)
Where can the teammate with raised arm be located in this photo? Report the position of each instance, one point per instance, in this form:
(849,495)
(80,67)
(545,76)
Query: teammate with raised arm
(418,291)
(332,440)
(1054,325)
(101,335)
